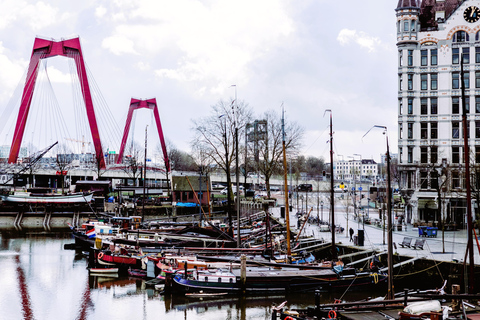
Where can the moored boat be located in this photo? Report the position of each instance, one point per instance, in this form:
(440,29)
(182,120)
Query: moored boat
(48,198)
(275,280)
(104,272)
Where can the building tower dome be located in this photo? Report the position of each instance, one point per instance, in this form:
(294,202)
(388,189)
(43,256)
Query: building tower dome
(408,4)
(408,12)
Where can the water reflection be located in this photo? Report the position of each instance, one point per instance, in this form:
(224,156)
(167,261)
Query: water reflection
(41,280)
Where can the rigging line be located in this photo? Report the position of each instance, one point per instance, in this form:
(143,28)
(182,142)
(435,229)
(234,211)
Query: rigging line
(12,103)
(429,250)
(108,117)
(75,88)
(400,276)
(80,104)
(81,108)
(31,67)
(38,103)
(311,145)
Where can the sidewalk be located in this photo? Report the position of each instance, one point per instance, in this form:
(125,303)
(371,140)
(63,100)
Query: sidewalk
(452,249)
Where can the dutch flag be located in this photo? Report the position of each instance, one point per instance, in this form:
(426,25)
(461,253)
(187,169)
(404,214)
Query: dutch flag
(91,233)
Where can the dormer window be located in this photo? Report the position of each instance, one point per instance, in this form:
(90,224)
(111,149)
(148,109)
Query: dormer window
(461,36)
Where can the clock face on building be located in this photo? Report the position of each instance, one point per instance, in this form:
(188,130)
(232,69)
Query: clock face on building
(471,14)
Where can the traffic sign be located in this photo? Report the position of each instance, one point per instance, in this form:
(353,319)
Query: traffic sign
(360,188)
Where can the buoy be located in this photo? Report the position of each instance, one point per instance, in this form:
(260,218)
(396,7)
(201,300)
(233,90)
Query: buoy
(332,314)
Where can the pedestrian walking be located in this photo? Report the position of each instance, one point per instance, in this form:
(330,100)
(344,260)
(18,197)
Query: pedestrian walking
(351,234)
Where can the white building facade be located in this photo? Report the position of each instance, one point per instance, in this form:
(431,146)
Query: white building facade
(348,170)
(432,38)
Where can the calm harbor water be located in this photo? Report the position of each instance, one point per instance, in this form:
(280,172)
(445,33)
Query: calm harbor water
(41,280)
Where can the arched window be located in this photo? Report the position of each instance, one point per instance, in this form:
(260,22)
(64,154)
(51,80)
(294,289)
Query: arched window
(461,36)
(219,279)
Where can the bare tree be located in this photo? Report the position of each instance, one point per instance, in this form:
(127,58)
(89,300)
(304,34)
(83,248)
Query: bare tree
(133,163)
(62,162)
(179,160)
(99,159)
(271,150)
(32,167)
(215,136)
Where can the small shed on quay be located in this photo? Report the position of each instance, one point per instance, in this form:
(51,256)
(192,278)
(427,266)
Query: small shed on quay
(99,188)
(189,188)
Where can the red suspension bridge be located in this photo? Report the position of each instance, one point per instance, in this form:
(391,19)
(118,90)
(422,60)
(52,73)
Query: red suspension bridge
(71,49)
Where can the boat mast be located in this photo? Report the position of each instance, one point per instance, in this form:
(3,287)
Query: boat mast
(144,174)
(466,153)
(285,188)
(390,292)
(332,194)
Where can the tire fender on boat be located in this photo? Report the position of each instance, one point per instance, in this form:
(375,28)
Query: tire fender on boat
(332,314)
(100,255)
(288,318)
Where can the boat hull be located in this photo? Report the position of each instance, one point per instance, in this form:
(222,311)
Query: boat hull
(280,284)
(49,199)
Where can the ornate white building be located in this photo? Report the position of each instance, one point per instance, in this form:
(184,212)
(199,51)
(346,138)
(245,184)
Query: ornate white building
(347,170)
(432,37)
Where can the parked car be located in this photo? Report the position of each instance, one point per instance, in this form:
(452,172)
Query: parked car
(304,187)
(234,190)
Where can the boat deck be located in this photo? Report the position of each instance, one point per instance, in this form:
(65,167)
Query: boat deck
(370,315)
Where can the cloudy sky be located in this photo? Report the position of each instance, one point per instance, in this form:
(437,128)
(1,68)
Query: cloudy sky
(310,55)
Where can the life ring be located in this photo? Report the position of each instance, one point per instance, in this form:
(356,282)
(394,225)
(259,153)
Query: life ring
(332,314)
(100,255)
(288,318)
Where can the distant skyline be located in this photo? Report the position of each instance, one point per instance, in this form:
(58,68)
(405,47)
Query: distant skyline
(309,55)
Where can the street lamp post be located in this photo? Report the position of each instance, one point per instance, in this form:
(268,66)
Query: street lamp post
(342,163)
(390,290)
(321,208)
(354,190)
(360,188)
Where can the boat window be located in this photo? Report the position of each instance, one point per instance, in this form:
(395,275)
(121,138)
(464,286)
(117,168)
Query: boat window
(231,280)
(206,279)
(219,279)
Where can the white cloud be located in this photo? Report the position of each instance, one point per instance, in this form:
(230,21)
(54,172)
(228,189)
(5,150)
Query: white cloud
(36,15)
(119,45)
(213,41)
(347,36)
(143,66)
(100,12)
(58,76)
(39,15)
(11,70)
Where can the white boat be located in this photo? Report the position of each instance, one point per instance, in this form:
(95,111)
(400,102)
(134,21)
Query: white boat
(104,272)
(50,198)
